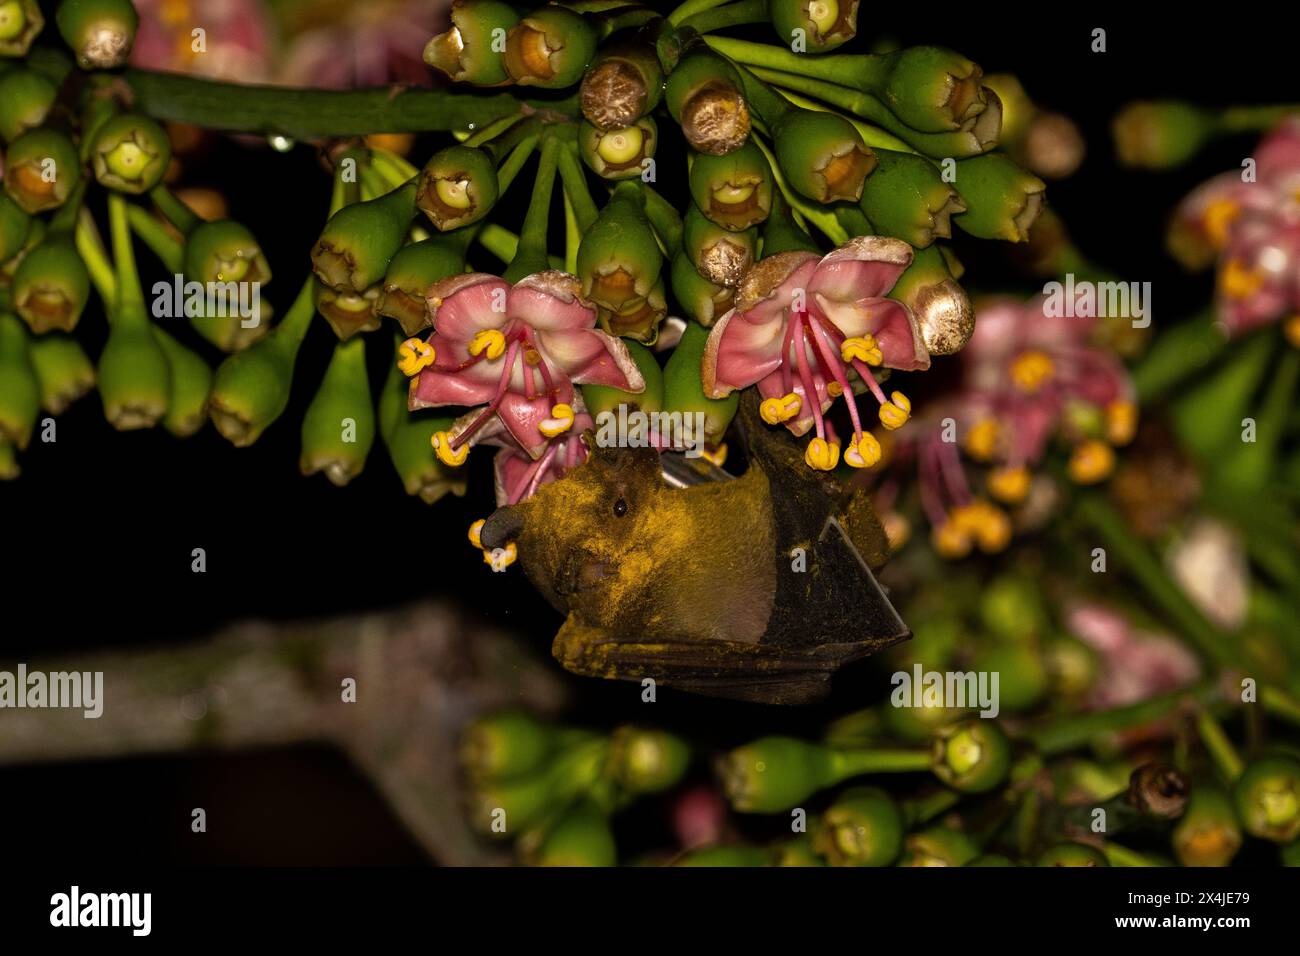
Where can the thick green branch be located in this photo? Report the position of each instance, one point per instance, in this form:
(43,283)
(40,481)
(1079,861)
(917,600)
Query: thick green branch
(316,114)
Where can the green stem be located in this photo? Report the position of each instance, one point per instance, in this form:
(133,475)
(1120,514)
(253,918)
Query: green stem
(162,243)
(91,249)
(1147,570)
(770,105)
(692,8)
(1219,746)
(1255,119)
(572,235)
(873,136)
(319,114)
(732,15)
(491,131)
(130,294)
(664,219)
(531,256)
(1077,730)
(181,216)
(821,217)
(293,327)
(1176,354)
(499,241)
(576,190)
(1123,856)
(852,763)
(924,809)
(1280,704)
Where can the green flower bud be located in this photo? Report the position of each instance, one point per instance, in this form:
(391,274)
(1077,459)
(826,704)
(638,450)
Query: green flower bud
(1161,134)
(942,308)
(36,233)
(1208,833)
(720,255)
(549,48)
(580,837)
(191,383)
(735,190)
(465,52)
(702,300)
(619,258)
(25,100)
(99,32)
(51,286)
(64,373)
(930,88)
(134,375)
(1002,200)
(20,396)
(684,391)
(339,426)
(973,756)
(515,804)
(991,859)
(703,94)
(130,153)
(1071,666)
(411,272)
(619,152)
(623,84)
(1011,606)
(726,856)
(906,197)
(357,243)
(407,436)
(822,155)
(505,744)
(350,313)
(781,233)
(1267,795)
(228,331)
(863,827)
(15,224)
(224,251)
(1072,854)
(822,25)
(1023,678)
(41,170)
(251,388)
(20,22)
(458,186)
(798,852)
(9,467)
(646,761)
(639,320)
(605,399)
(938,846)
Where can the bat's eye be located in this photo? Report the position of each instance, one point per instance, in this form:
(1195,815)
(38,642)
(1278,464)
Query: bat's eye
(620,508)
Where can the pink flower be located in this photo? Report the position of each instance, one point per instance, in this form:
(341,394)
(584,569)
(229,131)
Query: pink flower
(802,325)
(517,351)
(1135,665)
(1253,227)
(518,476)
(357,45)
(238,38)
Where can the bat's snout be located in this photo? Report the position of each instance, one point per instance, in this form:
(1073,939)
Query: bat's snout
(501,527)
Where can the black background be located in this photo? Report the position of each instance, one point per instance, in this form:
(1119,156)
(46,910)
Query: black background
(95,538)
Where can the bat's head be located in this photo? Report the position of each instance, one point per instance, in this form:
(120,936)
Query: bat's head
(594,537)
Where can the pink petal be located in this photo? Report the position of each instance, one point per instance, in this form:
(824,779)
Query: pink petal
(891,324)
(466,304)
(743,347)
(551,301)
(864,267)
(521,416)
(773,386)
(591,357)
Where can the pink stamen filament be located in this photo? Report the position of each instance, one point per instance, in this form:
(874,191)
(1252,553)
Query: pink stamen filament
(863,370)
(830,360)
(802,363)
(543,465)
(502,387)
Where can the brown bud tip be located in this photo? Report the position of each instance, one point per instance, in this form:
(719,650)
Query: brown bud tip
(725,262)
(1053,146)
(1158,790)
(988,124)
(716,119)
(613,94)
(945,317)
(967,98)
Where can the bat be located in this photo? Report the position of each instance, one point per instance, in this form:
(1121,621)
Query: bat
(756,587)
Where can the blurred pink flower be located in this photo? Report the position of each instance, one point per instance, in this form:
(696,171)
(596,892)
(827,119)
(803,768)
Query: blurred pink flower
(1135,665)
(237,43)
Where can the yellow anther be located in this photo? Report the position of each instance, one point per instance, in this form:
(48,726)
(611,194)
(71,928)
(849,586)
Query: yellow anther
(895,412)
(489,340)
(1121,422)
(951,540)
(416,354)
(863,453)
(1031,370)
(1218,217)
(774,411)
(994,530)
(821,454)
(1291,329)
(1092,461)
(561,420)
(861,349)
(501,558)
(475,530)
(1009,485)
(716,456)
(982,439)
(1239,281)
(441,442)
